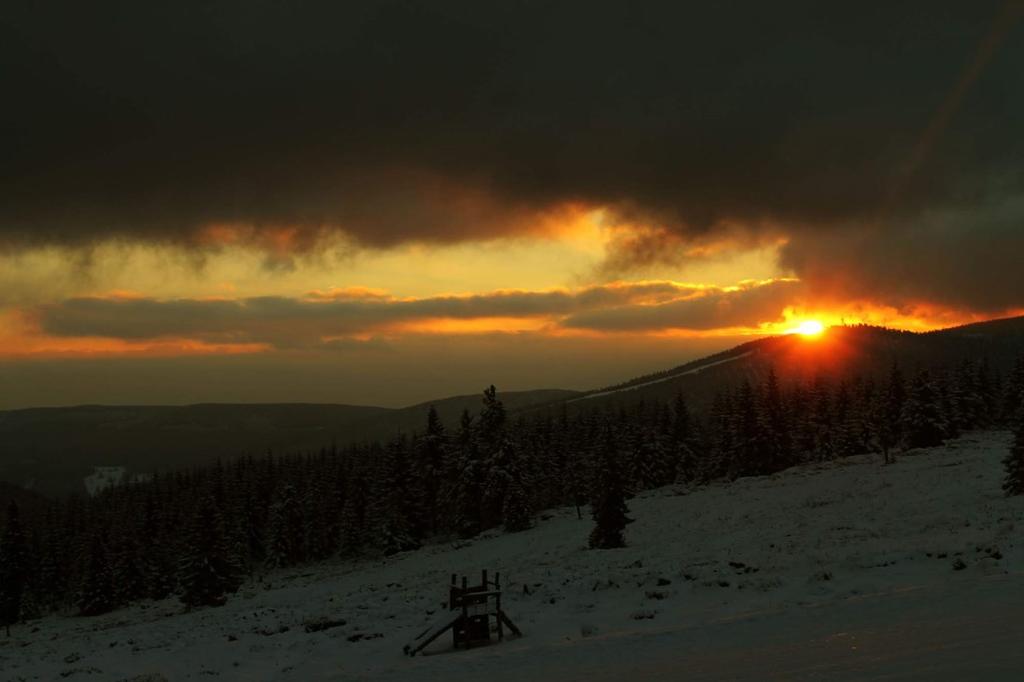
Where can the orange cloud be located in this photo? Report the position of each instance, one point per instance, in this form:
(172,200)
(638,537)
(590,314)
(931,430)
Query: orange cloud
(125,323)
(22,337)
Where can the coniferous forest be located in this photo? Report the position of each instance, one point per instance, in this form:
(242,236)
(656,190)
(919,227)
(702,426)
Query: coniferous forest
(199,534)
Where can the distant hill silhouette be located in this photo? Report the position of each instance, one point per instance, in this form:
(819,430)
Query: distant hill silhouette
(841,351)
(52,449)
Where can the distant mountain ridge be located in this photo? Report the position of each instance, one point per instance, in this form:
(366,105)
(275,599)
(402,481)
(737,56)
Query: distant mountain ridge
(840,351)
(53,449)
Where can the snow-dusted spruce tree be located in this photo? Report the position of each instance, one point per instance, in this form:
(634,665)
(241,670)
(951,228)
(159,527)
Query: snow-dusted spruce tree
(1013,464)
(394,506)
(319,514)
(126,564)
(681,441)
(516,510)
(1013,396)
(206,571)
(353,513)
(822,422)
(286,529)
(775,425)
(495,449)
(609,498)
(96,591)
(885,411)
(431,466)
(467,483)
(13,568)
(157,557)
(924,424)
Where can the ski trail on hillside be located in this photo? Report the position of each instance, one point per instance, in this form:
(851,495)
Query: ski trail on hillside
(695,370)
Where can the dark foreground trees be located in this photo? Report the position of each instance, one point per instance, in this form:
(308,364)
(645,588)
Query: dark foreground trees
(13,568)
(1013,464)
(208,572)
(196,533)
(609,498)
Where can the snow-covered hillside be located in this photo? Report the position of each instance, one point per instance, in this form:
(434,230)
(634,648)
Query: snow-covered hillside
(845,570)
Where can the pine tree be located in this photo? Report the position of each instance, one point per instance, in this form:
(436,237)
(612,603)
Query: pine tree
(394,509)
(495,449)
(516,511)
(1013,395)
(206,571)
(682,442)
(317,510)
(491,425)
(96,593)
(353,514)
(126,565)
(467,488)
(723,441)
(886,416)
(432,463)
(14,568)
(822,420)
(750,441)
(51,581)
(285,541)
(924,424)
(570,474)
(777,445)
(1013,464)
(609,499)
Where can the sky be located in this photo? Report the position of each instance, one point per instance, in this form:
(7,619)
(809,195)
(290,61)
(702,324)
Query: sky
(387,202)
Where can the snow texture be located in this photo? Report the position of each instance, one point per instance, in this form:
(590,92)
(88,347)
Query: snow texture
(841,570)
(633,387)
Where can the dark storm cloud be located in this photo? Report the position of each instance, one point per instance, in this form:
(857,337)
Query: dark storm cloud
(451,121)
(458,120)
(965,259)
(294,322)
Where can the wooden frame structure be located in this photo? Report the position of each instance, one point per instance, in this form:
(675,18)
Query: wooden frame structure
(470,610)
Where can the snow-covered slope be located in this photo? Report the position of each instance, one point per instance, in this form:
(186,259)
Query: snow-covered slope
(652,382)
(845,570)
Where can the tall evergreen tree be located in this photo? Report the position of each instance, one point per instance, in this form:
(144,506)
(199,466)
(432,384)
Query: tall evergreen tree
(923,421)
(354,531)
(609,498)
(1013,464)
(207,573)
(683,441)
(394,508)
(1013,392)
(14,568)
(518,515)
(432,466)
(467,493)
(285,541)
(751,447)
(887,415)
(96,592)
(777,439)
(822,419)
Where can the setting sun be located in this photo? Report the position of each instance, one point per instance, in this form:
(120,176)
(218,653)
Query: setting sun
(808,328)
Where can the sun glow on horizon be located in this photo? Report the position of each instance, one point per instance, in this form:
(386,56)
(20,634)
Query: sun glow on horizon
(810,328)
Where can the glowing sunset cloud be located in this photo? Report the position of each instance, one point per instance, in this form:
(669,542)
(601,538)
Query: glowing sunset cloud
(455,224)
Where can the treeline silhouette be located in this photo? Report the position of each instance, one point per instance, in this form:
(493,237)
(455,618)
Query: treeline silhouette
(199,533)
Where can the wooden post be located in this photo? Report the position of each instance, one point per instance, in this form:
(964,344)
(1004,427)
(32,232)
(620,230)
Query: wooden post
(497,606)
